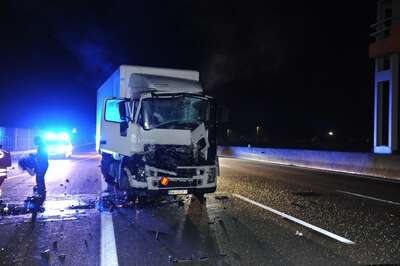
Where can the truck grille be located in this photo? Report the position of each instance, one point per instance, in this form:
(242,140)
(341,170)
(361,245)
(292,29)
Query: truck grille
(186,172)
(172,184)
(182,173)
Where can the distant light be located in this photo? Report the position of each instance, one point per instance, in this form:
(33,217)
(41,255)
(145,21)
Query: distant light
(74,131)
(64,136)
(330,133)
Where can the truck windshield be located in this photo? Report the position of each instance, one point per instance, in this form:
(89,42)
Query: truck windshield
(182,112)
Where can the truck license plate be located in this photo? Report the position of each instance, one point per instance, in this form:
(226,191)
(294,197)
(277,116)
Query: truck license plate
(177,192)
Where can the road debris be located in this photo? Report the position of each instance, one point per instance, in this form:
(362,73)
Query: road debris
(221,197)
(307,194)
(61,257)
(45,254)
(67,180)
(86,244)
(203,258)
(298,233)
(55,244)
(298,205)
(172,259)
(218,219)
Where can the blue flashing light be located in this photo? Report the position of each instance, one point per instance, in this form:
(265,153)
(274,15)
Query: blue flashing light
(48,136)
(58,144)
(58,136)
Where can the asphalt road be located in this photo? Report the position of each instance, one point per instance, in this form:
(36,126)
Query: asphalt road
(262,214)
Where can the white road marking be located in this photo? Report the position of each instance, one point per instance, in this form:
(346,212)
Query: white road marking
(108,247)
(293,219)
(368,197)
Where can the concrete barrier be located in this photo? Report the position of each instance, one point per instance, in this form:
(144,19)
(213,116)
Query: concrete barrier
(383,166)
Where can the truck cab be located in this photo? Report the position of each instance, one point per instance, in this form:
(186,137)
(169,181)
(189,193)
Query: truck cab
(156,132)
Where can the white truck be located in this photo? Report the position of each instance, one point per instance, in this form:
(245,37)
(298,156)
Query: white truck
(156,132)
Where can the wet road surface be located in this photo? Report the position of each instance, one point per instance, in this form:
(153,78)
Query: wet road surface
(262,214)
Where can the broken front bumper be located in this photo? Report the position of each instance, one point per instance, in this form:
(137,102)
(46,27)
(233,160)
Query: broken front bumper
(199,179)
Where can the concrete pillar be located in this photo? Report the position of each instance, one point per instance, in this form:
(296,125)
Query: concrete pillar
(386,122)
(385,50)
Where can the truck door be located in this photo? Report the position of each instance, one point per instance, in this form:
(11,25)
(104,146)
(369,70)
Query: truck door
(114,126)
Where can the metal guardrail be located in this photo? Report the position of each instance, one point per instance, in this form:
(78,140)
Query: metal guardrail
(17,139)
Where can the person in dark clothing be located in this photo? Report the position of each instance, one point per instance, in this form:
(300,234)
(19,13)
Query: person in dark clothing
(42,163)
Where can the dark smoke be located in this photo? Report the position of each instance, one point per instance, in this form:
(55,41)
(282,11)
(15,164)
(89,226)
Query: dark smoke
(241,42)
(91,49)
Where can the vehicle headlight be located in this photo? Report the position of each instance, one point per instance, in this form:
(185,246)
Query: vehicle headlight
(61,148)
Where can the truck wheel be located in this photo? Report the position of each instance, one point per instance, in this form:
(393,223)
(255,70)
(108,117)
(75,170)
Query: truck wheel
(123,182)
(105,168)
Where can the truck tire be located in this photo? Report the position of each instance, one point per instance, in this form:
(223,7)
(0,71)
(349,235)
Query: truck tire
(123,182)
(106,160)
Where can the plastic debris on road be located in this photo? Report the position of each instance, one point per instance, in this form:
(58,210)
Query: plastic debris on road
(45,254)
(298,233)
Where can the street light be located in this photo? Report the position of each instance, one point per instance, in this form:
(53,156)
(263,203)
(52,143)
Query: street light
(330,133)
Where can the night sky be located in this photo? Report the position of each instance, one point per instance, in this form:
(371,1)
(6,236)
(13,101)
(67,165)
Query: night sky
(295,68)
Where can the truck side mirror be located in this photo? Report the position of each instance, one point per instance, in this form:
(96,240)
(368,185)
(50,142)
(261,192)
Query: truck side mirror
(124,116)
(123,128)
(123,111)
(222,114)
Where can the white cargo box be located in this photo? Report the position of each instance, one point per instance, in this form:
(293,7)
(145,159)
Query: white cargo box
(130,81)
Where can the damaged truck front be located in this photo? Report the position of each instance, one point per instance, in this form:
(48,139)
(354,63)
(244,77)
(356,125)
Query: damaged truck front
(156,132)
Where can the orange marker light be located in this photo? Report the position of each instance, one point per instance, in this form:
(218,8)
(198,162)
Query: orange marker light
(164,181)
